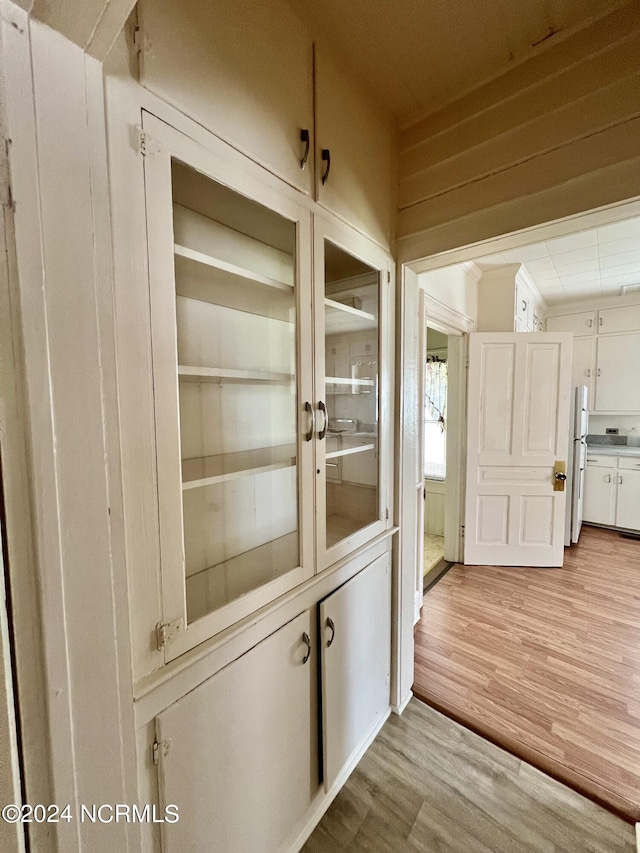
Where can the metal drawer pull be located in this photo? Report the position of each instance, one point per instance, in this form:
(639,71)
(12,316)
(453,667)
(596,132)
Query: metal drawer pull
(309,408)
(620,480)
(326,156)
(304,137)
(330,624)
(306,639)
(325,424)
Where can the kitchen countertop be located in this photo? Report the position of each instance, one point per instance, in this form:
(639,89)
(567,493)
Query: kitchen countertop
(616,450)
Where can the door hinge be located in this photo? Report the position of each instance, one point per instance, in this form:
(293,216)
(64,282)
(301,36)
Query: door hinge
(466,362)
(160,750)
(387,515)
(145,144)
(167,631)
(6,199)
(388,276)
(462,530)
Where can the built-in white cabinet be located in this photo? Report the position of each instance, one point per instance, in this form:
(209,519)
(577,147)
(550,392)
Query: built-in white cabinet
(612,491)
(355,637)
(278,97)
(599,490)
(617,373)
(606,352)
(628,493)
(508,301)
(238,755)
(251,503)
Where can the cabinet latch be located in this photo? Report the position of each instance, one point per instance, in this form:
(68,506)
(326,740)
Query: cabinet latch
(167,631)
(160,750)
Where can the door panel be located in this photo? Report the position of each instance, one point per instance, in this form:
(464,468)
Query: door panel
(628,503)
(355,637)
(239,753)
(599,491)
(518,427)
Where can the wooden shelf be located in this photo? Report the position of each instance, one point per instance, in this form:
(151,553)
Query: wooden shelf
(340,318)
(208,279)
(349,450)
(220,374)
(223,583)
(341,380)
(209,470)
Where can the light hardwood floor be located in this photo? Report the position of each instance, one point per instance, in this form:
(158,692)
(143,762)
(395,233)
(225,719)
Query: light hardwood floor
(428,785)
(545,662)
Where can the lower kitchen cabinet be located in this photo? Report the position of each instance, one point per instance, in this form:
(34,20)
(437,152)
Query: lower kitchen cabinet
(355,642)
(238,755)
(599,492)
(628,489)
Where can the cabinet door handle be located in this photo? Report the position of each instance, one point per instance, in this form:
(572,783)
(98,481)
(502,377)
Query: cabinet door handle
(325,423)
(309,408)
(607,479)
(590,323)
(598,372)
(304,137)
(620,479)
(524,305)
(326,156)
(600,321)
(587,372)
(306,639)
(332,627)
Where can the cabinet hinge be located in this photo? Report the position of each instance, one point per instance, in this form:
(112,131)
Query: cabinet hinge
(145,144)
(160,750)
(387,515)
(165,632)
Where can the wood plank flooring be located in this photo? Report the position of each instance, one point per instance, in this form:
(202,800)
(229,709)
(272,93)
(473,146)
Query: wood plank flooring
(428,785)
(545,662)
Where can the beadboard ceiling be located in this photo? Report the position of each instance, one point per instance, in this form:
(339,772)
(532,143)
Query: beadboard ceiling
(416,55)
(585,265)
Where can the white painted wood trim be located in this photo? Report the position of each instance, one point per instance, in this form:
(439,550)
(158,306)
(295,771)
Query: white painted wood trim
(399,709)
(446,319)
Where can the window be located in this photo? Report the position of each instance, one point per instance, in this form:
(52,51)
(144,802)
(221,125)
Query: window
(435,407)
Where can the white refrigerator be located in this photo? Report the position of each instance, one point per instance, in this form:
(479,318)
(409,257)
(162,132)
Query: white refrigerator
(576,463)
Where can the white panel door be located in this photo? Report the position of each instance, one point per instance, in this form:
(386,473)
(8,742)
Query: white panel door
(518,427)
(238,754)
(355,637)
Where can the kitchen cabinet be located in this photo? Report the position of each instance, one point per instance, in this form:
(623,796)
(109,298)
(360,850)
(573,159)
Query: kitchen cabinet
(582,323)
(606,350)
(628,493)
(599,491)
(612,490)
(271,87)
(355,641)
(243,403)
(617,374)
(231,83)
(508,301)
(238,755)
(354,153)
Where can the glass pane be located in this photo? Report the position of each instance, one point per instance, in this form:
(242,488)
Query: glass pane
(236,346)
(351,391)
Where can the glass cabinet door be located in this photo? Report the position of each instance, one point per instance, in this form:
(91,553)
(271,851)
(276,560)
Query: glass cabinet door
(227,315)
(349,304)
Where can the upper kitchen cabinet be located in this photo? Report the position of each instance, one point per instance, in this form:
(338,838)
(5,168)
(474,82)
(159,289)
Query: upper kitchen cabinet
(355,175)
(582,323)
(248,78)
(509,301)
(624,319)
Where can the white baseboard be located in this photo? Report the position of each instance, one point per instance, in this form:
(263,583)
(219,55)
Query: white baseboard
(398,709)
(324,800)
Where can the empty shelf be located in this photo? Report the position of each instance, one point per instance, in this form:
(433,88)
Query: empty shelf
(349,450)
(225,582)
(341,380)
(208,279)
(342,318)
(222,374)
(209,470)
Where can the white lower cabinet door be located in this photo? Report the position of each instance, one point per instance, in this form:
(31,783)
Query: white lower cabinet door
(238,755)
(628,503)
(599,490)
(355,640)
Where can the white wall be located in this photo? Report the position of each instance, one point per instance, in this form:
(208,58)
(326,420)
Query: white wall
(455,287)
(598,424)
